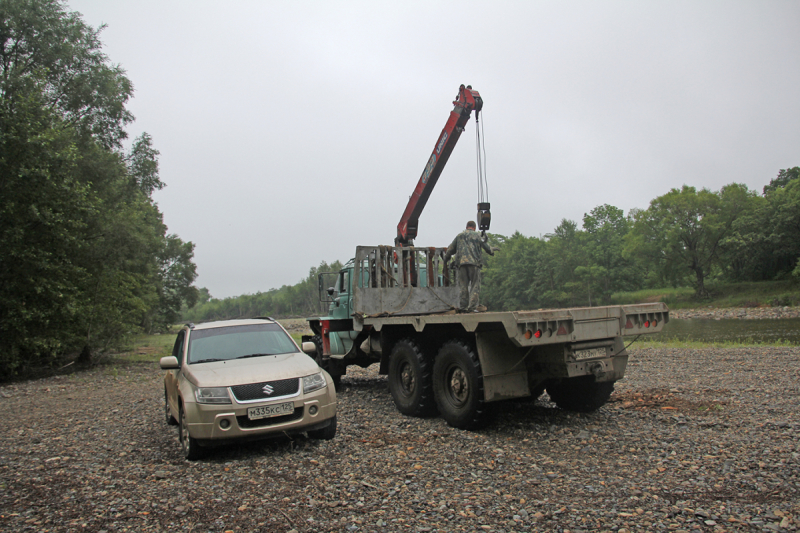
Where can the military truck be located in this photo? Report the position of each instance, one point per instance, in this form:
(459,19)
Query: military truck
(398,306)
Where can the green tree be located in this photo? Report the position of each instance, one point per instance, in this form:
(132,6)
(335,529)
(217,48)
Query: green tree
(51,53)
(142,165)
(606,227)
(564,253)
(782,180)
(509,279)
(85,255)
(43,208)
(784,235)
(683,232)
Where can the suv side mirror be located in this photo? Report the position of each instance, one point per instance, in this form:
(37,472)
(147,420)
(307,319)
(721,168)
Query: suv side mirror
(309,348)
(169,362)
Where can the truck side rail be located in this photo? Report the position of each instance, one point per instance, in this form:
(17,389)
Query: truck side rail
(402,280)
(546,326)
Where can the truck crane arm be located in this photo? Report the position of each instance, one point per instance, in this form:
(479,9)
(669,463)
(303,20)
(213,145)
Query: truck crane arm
(466,101)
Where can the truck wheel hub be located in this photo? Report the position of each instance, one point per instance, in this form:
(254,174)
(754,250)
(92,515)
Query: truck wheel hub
(458,383)
(407,378)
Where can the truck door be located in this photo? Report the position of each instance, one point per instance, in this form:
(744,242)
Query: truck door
(346,292)
(343,299)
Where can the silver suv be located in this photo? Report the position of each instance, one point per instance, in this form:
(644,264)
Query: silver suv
(244,379)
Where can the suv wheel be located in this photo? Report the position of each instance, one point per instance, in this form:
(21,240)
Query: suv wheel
(326,433)
(170,419)
(191,449)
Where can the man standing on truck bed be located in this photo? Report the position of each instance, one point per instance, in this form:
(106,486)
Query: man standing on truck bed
(467,248)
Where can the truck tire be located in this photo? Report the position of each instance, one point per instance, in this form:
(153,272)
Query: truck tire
(582,394)
(458,386)
(326,364)
(410,379)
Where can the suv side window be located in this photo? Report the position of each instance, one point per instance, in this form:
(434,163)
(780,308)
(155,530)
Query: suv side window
(177,349)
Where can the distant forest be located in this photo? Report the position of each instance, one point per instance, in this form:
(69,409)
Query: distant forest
(685,238)
(302,299)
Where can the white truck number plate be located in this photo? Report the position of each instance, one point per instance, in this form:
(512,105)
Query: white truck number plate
(267,411)
(590,354)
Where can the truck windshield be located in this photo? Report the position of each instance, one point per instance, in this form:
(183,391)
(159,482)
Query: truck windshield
(234,342)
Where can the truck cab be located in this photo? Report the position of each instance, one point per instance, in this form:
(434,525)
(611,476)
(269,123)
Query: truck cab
(377,279)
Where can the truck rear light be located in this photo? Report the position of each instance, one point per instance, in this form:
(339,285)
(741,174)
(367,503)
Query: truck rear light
(647,323)
(530,333)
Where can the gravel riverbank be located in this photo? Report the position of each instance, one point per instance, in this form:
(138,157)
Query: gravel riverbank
(701,439)
(737,312)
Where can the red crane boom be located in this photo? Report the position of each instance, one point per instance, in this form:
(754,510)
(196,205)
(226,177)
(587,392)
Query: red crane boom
(466,101)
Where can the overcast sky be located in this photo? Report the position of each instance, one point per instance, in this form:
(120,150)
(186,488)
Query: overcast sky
(290,132)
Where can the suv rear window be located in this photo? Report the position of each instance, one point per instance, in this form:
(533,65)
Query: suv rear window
(233,342)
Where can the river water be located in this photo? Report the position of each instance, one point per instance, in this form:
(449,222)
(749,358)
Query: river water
(731,329)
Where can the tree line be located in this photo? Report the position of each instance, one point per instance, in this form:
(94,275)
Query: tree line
(686,237)
(300,300)
(86,258)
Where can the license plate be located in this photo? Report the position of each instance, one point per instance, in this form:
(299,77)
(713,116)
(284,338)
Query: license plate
(267,411)
(590,354)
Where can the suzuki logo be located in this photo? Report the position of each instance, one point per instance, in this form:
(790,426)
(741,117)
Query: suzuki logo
(267,389)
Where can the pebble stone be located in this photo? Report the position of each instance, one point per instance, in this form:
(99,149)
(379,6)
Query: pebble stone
(692,440)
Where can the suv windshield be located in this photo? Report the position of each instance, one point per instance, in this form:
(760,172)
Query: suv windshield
(234,342)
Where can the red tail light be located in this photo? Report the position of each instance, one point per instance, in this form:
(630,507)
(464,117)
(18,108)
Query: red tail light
(537,334)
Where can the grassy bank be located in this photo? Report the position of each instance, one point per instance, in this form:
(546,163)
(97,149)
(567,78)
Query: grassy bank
(143,348)
(680,344)
(750,294)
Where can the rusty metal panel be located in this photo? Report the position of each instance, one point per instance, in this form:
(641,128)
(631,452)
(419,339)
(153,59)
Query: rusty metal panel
(506,386)
(505,374)
(404,300)
(402,281)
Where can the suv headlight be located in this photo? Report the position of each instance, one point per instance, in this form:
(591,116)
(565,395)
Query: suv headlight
(212,395)
(313,382)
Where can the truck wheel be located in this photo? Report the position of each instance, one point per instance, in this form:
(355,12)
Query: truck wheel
(335,372)
(582,394)
(410,380)
(458,386)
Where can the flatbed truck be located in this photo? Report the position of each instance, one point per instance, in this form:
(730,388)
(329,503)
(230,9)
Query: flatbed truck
(398,307)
